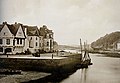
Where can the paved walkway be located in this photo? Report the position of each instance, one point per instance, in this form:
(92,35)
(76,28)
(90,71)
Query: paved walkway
(60,55)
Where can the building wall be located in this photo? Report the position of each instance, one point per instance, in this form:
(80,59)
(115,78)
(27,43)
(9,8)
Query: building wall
(48,45)
(118,46)
(33,43)
(33,40)
(18,50)
(41,42)
(4,35)
(26,46)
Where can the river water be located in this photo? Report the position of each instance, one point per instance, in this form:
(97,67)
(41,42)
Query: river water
(103,70)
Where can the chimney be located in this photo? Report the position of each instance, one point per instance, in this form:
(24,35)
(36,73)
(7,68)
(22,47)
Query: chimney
(15,22)
(5,22)
(25,31)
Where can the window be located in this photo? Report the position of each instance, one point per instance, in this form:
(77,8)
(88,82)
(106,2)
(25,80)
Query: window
(47,43)
(1,41)
(8,50)
(36,43)
(50,43)
(36,38)
(50,36)
(14,42)
(20,41)
(17,41)
(7,41)
(40,44)
(1,49)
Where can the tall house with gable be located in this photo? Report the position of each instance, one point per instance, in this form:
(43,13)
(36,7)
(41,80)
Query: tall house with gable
(32,38)
(48,39)
(12,38)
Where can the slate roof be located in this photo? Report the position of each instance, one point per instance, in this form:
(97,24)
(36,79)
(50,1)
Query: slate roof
(16,27)
(44,31)
(1,26)
(32,30)
(10,27)
(13,27)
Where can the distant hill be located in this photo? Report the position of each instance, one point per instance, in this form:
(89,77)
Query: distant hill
(107,41)
(64,47)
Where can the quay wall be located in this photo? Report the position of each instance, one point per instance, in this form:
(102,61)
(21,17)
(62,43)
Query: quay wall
(43,65)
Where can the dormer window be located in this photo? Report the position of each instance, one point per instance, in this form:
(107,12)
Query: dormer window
(20,33)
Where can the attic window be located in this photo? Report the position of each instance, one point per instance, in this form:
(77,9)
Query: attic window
(20,33)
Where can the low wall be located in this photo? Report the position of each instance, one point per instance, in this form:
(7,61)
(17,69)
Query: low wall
(44,65)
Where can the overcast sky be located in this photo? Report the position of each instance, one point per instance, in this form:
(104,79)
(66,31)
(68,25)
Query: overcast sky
(69,19)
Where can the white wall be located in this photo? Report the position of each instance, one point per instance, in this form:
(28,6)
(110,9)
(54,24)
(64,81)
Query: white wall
(6,34)
(33,48)
(118,46)
(20,33)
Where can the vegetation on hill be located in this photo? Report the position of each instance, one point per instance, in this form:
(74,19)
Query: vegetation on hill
(63,47)
(107,41)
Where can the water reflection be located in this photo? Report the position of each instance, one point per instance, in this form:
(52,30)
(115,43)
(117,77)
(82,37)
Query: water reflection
(103,70)
(83,76)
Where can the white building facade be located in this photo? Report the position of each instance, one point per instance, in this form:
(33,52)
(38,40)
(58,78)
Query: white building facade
(18,38)
(11,39)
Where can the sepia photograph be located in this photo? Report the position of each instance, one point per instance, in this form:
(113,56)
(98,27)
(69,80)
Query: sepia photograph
(59,41)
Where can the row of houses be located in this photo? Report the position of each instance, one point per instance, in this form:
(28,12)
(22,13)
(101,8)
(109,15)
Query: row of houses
(19,38)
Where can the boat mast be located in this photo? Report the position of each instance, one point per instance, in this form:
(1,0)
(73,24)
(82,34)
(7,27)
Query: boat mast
(80,46)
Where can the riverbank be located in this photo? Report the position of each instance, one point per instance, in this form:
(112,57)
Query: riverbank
(25,76)
(64,63)
(107,53)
